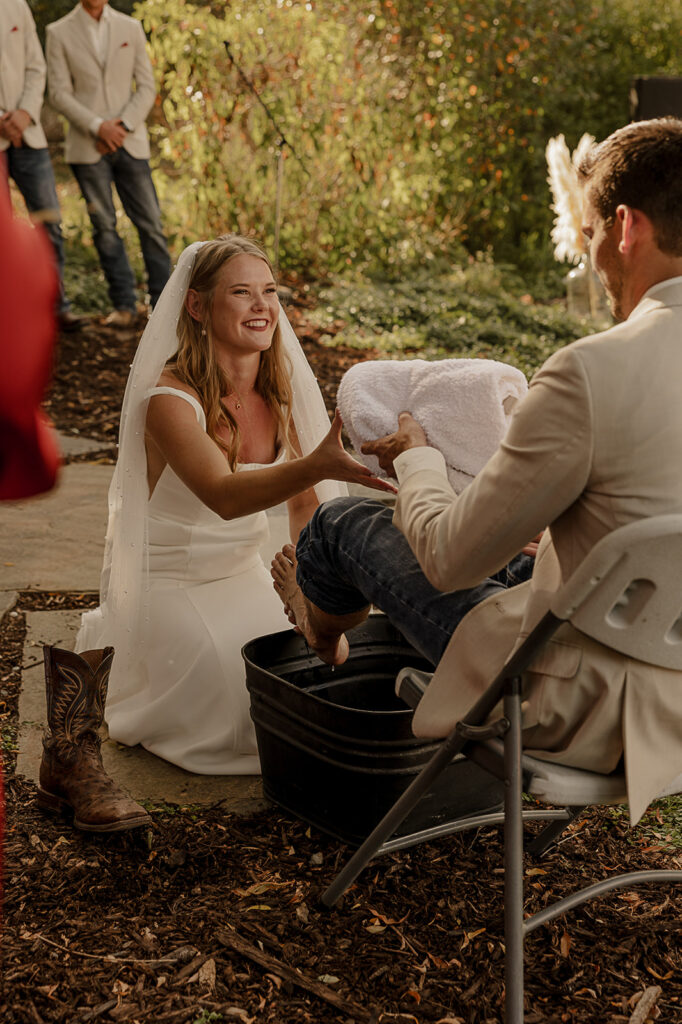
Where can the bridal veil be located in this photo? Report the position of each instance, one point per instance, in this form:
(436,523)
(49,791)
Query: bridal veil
(120,619)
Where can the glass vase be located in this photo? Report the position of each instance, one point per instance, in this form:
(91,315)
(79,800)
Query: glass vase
(578,288)
(585,295)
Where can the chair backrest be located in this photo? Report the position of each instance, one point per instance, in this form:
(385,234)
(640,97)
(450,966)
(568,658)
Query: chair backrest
(627,592)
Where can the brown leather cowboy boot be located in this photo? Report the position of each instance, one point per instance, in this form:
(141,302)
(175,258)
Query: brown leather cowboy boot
(72,776)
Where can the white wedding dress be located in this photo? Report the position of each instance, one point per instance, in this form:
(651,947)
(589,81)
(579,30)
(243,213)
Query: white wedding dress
(182,590)
(209,594)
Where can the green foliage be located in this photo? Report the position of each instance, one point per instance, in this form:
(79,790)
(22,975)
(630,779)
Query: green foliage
(419,127)
(472,311)
(83,278)
(9,742)
(660,827)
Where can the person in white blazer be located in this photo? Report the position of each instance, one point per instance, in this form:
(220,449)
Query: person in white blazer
(100,78)
(596,443)
(23,146)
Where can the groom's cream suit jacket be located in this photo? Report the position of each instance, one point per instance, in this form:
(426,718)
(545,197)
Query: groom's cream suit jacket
(22,69)
(595,444)
(83,87)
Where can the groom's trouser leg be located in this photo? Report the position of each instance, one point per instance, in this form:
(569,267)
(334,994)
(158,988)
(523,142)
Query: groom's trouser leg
(350,555)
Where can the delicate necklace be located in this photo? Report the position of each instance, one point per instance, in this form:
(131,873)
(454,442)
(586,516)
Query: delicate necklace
(238,401)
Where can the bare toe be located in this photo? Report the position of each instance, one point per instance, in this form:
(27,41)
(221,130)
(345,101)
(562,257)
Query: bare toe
(330,645)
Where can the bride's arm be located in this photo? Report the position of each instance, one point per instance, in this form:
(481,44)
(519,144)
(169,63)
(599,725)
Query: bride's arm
(172,426)
(301,508)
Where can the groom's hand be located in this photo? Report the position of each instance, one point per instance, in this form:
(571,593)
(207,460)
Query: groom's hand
(408,435)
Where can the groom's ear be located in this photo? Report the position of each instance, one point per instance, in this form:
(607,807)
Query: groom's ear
(193,304)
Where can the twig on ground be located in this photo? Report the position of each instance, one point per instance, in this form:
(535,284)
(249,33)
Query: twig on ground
(34,1013)
(645,1005)
(234,941)
(107,957)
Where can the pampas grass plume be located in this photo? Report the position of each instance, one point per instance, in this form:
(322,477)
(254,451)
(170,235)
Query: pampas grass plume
(567,233)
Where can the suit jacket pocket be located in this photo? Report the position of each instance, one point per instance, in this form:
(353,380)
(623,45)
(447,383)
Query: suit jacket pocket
(557,658)
(548,689)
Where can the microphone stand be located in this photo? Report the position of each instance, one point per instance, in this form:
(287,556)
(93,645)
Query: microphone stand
(281,143)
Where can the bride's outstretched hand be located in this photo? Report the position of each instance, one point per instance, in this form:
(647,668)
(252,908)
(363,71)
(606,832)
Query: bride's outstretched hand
(336,464)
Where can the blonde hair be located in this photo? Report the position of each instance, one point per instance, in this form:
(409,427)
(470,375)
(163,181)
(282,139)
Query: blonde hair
(195,364)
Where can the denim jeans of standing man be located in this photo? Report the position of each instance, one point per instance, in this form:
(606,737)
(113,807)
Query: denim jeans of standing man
(350,555)
(31,171)
(133,181)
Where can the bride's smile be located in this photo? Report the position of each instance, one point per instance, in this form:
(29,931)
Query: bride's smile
(245,306)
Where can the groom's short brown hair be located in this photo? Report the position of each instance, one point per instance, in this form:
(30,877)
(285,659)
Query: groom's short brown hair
(640,166)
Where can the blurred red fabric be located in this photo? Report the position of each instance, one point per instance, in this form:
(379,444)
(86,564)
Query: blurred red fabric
(29,457)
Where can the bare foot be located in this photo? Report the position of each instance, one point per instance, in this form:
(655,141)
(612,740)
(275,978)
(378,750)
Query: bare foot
(321,631)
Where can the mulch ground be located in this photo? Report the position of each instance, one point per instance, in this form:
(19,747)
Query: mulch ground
(213,917)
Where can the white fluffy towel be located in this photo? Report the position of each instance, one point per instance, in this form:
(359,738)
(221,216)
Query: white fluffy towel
(463,405)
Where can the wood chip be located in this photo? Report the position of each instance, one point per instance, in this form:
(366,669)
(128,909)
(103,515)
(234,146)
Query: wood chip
(645,1005)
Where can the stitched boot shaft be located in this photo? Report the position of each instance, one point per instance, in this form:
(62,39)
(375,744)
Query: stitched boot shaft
(72,776)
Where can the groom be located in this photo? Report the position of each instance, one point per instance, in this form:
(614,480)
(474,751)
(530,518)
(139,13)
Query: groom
(596,443)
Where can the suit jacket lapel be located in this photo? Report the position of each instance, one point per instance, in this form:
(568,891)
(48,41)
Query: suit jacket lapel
(115,39)
(6,24)
(84,36)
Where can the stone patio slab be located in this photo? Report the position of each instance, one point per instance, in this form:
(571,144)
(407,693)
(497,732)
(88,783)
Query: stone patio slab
(8,599)
(55,541)
(72,444)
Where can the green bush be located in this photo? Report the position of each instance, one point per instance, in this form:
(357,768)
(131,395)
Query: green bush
(415,130)
(479,310)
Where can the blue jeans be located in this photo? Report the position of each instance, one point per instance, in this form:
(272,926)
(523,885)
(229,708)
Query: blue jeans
(350,555)
(133,181)
(31,171)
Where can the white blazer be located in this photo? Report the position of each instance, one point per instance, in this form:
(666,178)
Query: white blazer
(82,88)
(22,69)
(595,444)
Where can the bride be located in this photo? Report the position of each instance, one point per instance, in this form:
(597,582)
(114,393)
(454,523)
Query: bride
(222,418)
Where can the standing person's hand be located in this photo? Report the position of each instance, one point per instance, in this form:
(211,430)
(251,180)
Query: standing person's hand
(13,124)
(408,435)
(336,464)
(110,136)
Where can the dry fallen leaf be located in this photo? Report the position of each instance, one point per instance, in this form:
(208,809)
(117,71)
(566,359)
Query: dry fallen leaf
(302,913)
(206,975)
(48,990)
(660,977)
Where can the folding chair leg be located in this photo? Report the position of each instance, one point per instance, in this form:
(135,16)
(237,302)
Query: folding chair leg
(513,857)
(546,839)
(393,818)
